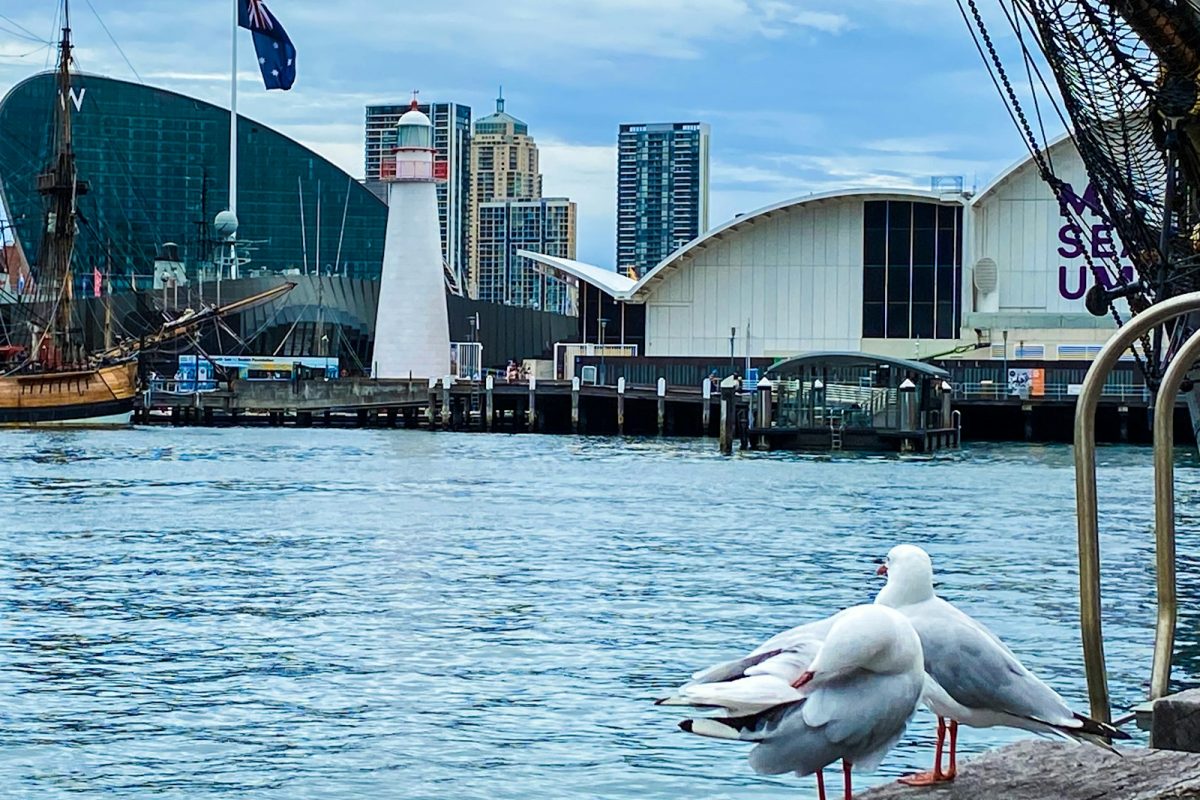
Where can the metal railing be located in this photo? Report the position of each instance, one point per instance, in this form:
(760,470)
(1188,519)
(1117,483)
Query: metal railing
(982,390)
(1086,506)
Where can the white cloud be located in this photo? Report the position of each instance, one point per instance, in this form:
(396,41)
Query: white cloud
(588,175)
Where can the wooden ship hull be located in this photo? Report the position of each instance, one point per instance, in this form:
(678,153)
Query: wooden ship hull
(98,397)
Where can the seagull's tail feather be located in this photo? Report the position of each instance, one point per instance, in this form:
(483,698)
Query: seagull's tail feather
(1091,731)
(748,728)
(712,728)
(1099,729)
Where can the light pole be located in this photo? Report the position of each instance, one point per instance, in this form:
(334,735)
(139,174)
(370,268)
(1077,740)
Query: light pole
(732,336)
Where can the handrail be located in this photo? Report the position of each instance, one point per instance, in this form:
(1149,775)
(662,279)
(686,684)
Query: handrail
(1085,488)
(1164,514)
(979,390)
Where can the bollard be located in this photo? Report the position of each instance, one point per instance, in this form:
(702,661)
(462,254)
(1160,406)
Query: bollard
(621,406)
(662,405)
(575,405)
(705,406)
(764,411)
(531,419)
(490,384)
(728,414)
(431,405)
(447,382)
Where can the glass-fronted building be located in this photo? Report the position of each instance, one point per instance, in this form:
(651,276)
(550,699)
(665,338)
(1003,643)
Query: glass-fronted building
(452,141)
(543,225)
(157,165)
(662,191)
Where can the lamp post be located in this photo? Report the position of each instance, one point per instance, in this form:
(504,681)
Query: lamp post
(732,336)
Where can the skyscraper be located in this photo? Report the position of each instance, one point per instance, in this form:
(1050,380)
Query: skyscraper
(452,142)
(509,213)
(662,190)
(543,225)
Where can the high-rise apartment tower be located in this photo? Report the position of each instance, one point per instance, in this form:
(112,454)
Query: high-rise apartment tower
(662,191)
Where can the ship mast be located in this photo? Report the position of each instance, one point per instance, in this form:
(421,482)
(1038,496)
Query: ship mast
(62,188)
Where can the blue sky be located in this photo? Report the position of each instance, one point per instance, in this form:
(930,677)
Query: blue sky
(803,95)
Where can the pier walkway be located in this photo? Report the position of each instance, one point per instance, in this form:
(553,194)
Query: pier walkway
(544,405)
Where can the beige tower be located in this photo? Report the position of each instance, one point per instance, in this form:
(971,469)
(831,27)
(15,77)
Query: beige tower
(504,166)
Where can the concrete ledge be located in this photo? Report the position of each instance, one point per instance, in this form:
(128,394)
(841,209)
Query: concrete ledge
(1043,770)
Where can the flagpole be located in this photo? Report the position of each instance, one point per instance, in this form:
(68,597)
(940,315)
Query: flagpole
(233,111)
(232,149)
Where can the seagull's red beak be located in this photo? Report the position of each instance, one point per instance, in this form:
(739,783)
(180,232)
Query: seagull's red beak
(882,570)
(803,679)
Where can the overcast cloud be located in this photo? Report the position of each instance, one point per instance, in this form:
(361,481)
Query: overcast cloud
(802,95)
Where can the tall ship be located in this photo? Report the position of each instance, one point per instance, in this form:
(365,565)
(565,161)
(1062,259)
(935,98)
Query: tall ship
(48,373)
(1124,77)
(55,381)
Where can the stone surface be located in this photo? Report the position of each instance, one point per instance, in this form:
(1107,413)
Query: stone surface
(1176,722)
(1043,770)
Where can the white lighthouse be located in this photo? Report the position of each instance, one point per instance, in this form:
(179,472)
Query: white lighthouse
(412,330)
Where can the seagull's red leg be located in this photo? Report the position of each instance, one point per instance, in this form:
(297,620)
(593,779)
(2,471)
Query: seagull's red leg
(821,784)
(849,795)
(936,776)
(950,773)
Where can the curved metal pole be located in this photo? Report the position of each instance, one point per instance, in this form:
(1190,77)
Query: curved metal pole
(1164,513)
(1085,488)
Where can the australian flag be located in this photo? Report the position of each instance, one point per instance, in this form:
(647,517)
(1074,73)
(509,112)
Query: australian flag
(276,55)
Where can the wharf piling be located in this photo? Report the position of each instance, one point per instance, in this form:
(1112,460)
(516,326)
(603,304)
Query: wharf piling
(728,414)
(490,388)
(531,419)
(620,406)
(662,405)
(575,385)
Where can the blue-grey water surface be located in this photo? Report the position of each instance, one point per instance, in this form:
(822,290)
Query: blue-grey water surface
(250,613)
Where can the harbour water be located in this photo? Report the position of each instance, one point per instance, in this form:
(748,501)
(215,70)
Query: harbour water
(262,613)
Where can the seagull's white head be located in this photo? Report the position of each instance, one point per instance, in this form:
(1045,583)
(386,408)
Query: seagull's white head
(909,574)
(873,638)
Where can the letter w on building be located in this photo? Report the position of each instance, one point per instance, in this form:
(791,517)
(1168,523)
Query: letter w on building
(276,55)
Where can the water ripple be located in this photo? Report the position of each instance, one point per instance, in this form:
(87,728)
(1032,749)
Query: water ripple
(264,613)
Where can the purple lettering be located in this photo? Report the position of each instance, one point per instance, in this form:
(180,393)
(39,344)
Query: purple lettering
(1089,202)
(1070,234)
(1062,284)
(1102,242)
(1103,278)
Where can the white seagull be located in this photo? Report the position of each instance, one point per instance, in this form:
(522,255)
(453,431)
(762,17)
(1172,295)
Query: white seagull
(844,687)
(973,678)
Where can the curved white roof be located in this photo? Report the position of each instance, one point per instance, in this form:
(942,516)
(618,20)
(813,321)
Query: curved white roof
(621,287)
(1051,147)
(607,280)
